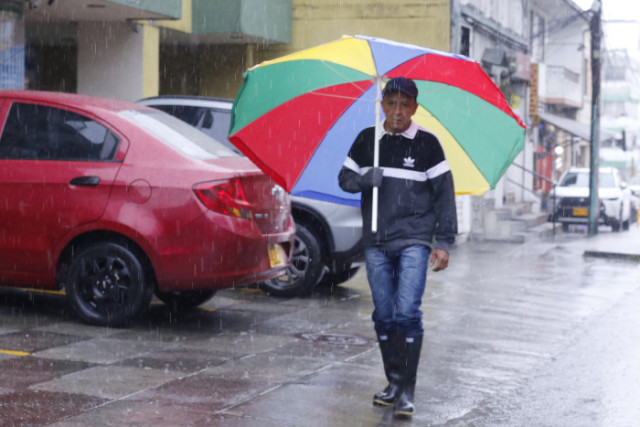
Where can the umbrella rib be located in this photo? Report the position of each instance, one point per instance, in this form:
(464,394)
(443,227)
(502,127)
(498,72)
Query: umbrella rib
(336,71)
(415,65)
(332,95)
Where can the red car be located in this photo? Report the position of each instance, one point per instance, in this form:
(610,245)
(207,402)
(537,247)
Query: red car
(114,201)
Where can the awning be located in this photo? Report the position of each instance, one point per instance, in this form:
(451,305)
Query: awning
(242,21)
(101,10)
(575,128)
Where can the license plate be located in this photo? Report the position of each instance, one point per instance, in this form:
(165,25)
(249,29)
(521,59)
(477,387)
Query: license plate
(580,212)
(277,256)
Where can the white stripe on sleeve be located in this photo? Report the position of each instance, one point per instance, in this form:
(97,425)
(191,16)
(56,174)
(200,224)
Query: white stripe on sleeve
(439,169)
(349,163)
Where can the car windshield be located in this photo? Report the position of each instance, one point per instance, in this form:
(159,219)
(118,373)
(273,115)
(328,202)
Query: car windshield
(581,179)
(179,135)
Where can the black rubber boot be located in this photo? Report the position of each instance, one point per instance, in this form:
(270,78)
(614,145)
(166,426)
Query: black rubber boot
(390,349)
(403,405)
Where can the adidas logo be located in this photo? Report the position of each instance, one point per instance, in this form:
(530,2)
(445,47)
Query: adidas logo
(409,162)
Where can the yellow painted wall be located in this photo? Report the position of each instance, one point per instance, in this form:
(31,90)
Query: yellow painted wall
(150,60)
(425,23)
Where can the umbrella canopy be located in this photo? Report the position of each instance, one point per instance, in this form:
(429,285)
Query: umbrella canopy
(297,116)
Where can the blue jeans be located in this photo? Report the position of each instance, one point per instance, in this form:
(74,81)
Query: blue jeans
(397,280)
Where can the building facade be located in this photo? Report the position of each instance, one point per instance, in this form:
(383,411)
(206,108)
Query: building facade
(536,51)
(621,96)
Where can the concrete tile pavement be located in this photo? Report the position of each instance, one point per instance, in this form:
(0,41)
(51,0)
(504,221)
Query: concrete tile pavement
(169,370)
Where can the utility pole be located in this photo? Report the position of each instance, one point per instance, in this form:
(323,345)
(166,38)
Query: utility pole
(455,23)
(594,161)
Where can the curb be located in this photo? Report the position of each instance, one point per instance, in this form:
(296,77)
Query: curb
(613,255)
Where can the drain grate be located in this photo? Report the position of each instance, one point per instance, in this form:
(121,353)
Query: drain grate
(337,339)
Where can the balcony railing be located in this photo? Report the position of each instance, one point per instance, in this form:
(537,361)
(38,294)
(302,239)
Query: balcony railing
(561,86)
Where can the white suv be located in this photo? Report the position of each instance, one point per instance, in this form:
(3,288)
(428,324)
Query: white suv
(328,247)
(572,199)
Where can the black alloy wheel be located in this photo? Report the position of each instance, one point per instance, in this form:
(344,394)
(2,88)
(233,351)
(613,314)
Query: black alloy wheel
(185,300)
(107,285)
(306,267)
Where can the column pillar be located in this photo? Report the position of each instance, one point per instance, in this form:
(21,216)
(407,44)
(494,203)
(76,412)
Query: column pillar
(118,59)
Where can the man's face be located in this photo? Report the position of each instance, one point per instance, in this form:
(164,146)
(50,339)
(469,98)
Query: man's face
(398,109)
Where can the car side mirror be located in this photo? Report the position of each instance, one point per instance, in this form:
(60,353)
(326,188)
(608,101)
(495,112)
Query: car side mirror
(623,185)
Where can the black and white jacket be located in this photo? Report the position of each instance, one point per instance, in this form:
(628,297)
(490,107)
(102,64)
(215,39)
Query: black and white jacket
(416,201)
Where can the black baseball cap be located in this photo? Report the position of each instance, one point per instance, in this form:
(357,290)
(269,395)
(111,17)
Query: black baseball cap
(401,84)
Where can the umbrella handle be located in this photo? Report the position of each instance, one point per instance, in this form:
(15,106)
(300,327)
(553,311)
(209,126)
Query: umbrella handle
(374,211)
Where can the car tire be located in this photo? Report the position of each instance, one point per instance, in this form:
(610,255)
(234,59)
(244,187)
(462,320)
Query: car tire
(615,225)
(185,300)
(107,284)
(625,225)
(306,267)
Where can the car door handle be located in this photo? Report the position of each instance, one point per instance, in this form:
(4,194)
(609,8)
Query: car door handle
(85,181)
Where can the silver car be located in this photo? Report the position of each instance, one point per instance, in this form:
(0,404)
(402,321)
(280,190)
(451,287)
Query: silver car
(328,247)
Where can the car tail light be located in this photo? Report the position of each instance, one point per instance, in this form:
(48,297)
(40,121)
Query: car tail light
(225,197)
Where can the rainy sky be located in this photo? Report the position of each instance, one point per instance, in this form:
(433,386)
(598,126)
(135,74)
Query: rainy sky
(615,9)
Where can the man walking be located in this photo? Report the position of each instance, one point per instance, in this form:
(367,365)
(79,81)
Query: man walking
(416,227)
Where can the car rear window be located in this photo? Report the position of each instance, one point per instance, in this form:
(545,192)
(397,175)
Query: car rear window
(212,121)
(178,134)
(581,179)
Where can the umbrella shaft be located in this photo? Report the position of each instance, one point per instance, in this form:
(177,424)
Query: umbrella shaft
(376,153)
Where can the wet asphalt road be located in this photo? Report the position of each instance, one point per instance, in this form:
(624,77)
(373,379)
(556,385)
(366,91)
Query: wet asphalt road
(529,334)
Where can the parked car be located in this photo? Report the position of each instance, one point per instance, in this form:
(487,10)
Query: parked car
(634,200)
(114,201)
(572,199)
(634,187)
(328,247)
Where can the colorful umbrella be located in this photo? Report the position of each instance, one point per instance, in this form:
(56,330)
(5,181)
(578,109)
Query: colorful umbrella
(297,116)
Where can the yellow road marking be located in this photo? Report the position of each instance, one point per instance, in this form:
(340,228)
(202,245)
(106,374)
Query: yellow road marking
(252,291)
(42,291)
(14,353)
